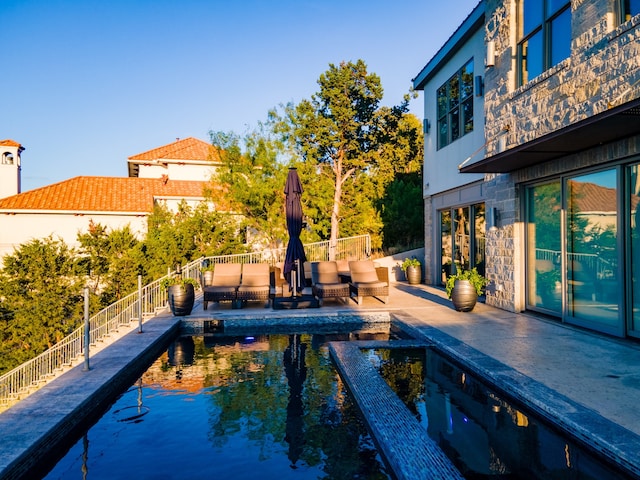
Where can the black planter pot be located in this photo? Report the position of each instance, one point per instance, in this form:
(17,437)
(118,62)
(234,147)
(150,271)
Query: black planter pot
(181,299)
(464,296)
(414,275)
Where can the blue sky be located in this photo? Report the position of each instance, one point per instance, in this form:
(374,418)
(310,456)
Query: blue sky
(88,83)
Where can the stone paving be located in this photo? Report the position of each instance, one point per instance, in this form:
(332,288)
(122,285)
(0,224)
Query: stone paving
(590,380)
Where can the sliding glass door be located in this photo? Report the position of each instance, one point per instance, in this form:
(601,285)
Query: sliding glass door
(633,243)
(544,234)
(462,239)
(592,245)
(573,250)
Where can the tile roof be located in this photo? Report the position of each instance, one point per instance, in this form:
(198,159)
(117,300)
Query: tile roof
(102,194)
(9,143)
(185,149)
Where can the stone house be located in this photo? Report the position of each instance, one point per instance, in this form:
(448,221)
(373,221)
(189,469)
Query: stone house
(169,174)
(545,202)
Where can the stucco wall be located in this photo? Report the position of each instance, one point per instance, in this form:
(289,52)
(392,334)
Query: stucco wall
(441,166)
(65,227)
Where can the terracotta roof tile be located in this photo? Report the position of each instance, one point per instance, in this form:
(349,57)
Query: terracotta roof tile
(185,149)
(102,194)
(10,143)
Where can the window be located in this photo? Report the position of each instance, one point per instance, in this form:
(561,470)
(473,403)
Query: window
(455,106)
(628,9)
(544,32)
(7,158)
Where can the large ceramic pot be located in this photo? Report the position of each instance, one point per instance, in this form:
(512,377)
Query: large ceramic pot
(464,296)
(181,298)
(414,275)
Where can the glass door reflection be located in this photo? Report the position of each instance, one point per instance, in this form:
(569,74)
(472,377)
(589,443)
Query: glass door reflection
(593,282)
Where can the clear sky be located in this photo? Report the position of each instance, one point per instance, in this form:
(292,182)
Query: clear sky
(88,83)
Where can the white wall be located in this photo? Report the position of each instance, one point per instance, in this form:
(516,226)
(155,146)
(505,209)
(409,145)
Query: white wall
(441,166)
(21,228)
(177,171)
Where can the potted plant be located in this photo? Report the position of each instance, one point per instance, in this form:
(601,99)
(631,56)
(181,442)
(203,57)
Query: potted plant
(180,294)
(464,287)
(412,270)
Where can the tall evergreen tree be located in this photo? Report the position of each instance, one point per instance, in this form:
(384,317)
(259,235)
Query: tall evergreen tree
(42,298)
(344,129)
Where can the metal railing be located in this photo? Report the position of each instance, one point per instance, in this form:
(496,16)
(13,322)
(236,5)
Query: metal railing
(350,248)
(146,302)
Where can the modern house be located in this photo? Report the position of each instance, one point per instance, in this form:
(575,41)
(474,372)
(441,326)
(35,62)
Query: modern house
(538,185)
(170,174)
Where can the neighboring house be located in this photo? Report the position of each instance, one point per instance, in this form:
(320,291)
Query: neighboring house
(170,174)
(556,180)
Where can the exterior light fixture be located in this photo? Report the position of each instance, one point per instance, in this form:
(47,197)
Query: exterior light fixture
(492,219)
(426,126)
(491,54)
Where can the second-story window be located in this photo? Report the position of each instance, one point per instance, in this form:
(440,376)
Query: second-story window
(455,106)
(628,9)
(544,36)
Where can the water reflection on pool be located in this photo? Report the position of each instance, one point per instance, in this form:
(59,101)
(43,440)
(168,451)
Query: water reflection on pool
(485,434)
(268,406)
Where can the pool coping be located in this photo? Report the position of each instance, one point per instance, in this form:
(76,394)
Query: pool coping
(411,455)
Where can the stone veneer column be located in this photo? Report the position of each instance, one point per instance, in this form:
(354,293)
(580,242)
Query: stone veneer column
(504,245)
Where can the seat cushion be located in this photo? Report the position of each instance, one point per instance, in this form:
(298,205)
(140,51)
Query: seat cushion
(363,271)
(325,272)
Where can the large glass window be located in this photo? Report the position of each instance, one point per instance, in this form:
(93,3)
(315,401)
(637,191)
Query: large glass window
(633,221)
(462,239)
(573,250)
(455,106)
(592,250)
(544,208)
(544,36)
(628,9)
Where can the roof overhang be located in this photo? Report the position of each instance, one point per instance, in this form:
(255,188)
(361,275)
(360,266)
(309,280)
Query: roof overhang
(611,125)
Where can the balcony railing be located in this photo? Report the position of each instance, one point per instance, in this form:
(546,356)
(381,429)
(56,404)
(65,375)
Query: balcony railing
(135,307)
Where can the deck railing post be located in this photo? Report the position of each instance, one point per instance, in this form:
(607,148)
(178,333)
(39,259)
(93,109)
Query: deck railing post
(139,303)
(87,332)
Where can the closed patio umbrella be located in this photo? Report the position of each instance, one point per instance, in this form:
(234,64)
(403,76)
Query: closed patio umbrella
(295,256)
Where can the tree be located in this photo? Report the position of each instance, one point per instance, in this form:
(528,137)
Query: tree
(111,262)
(191,232)
(344,130)
(253,178)
(42,299)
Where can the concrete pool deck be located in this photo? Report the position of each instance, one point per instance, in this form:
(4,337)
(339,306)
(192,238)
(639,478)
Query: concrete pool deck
(594,376)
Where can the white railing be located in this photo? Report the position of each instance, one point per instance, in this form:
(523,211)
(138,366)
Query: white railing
(147,301)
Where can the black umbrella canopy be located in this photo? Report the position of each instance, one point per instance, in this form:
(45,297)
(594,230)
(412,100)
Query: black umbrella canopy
(295,249)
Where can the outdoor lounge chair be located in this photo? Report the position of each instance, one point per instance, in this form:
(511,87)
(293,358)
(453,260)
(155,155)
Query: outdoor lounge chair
(221,283)
(279,285)
(367,280)
(326,281)
(254,285)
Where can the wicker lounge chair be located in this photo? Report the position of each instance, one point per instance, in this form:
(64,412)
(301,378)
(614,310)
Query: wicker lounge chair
(254,285)
(367,280)
(221,284)
(326,282)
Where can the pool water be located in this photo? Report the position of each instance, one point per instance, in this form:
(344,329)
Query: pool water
(484,434)
(240,407)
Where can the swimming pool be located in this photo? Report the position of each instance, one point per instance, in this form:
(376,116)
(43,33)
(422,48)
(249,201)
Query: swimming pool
(483,432)
(264,406)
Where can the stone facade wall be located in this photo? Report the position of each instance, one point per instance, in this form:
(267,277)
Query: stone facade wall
(602,72)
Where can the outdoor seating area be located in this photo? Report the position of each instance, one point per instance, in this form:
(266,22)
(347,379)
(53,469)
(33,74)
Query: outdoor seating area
(261,282)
